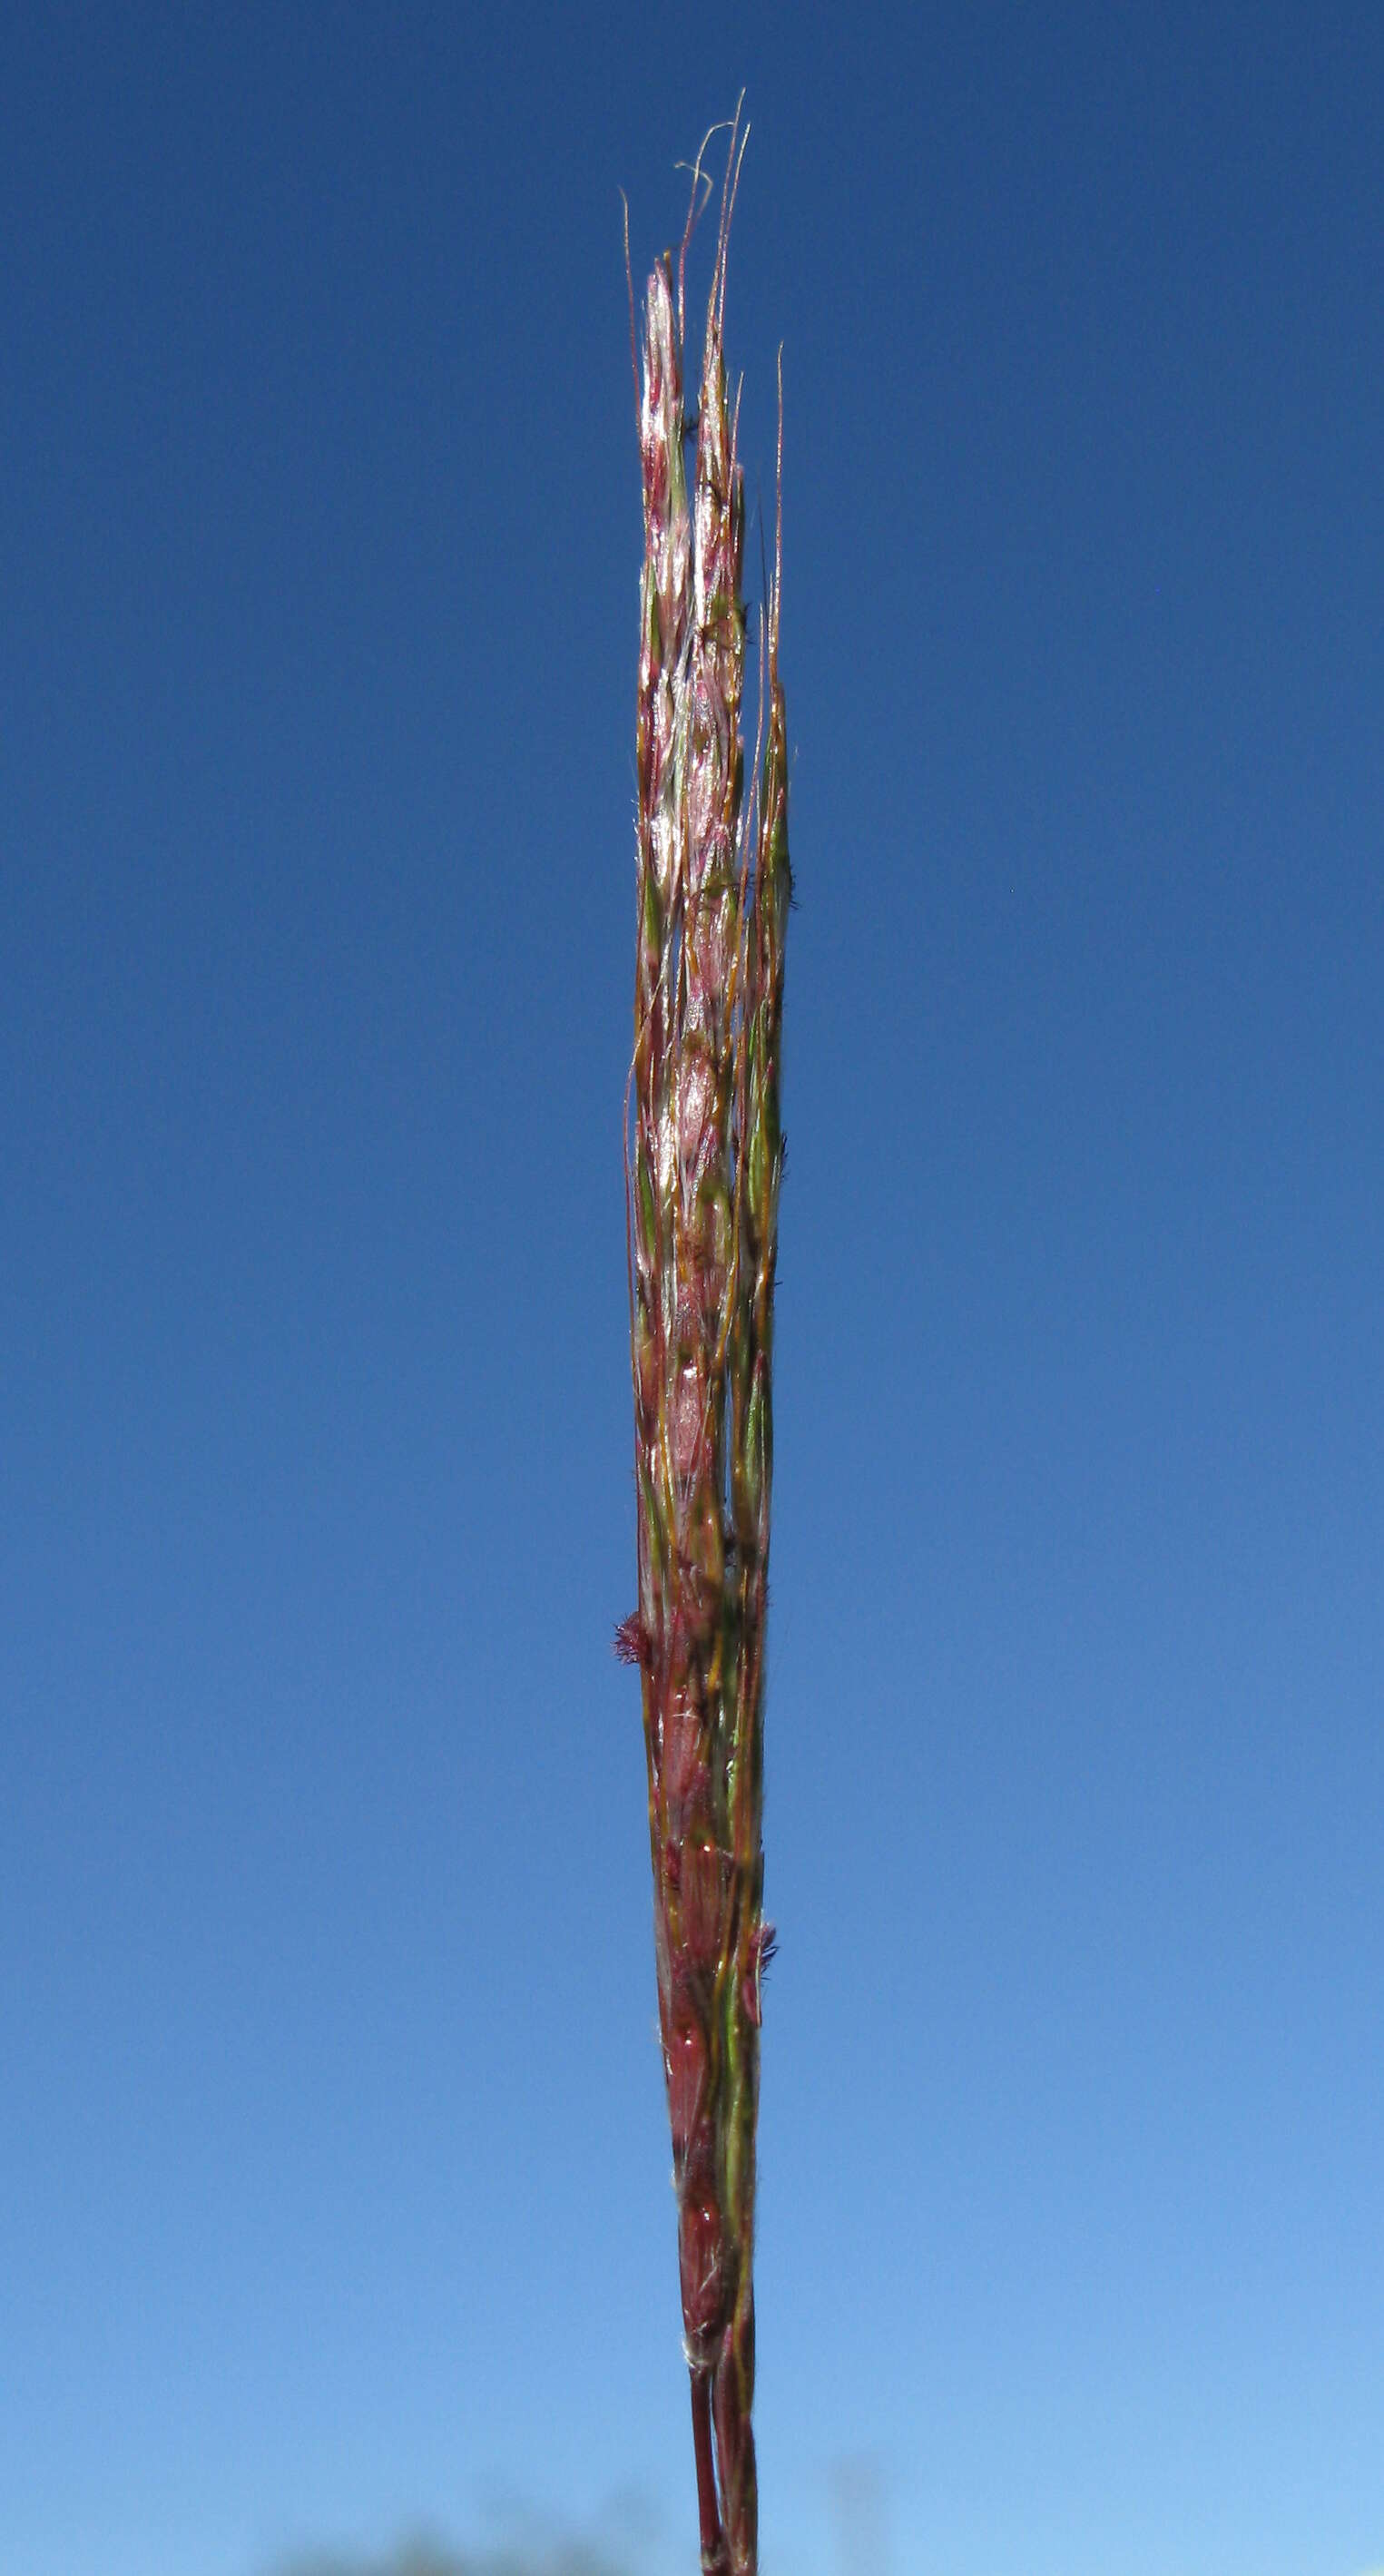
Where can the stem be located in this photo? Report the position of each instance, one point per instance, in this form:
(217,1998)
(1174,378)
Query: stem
(714,2559)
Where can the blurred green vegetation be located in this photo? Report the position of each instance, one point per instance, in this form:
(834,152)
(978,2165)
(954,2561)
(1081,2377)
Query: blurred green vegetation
(426,2557)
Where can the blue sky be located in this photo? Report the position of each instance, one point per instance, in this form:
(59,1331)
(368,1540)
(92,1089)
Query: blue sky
(333,2192)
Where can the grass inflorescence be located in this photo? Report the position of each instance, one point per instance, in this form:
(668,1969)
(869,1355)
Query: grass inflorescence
(704,1158)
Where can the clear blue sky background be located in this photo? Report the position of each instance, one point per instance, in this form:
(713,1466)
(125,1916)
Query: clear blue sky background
(333,2161)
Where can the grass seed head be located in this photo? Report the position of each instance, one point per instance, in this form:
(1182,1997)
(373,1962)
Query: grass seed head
(704,1163)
